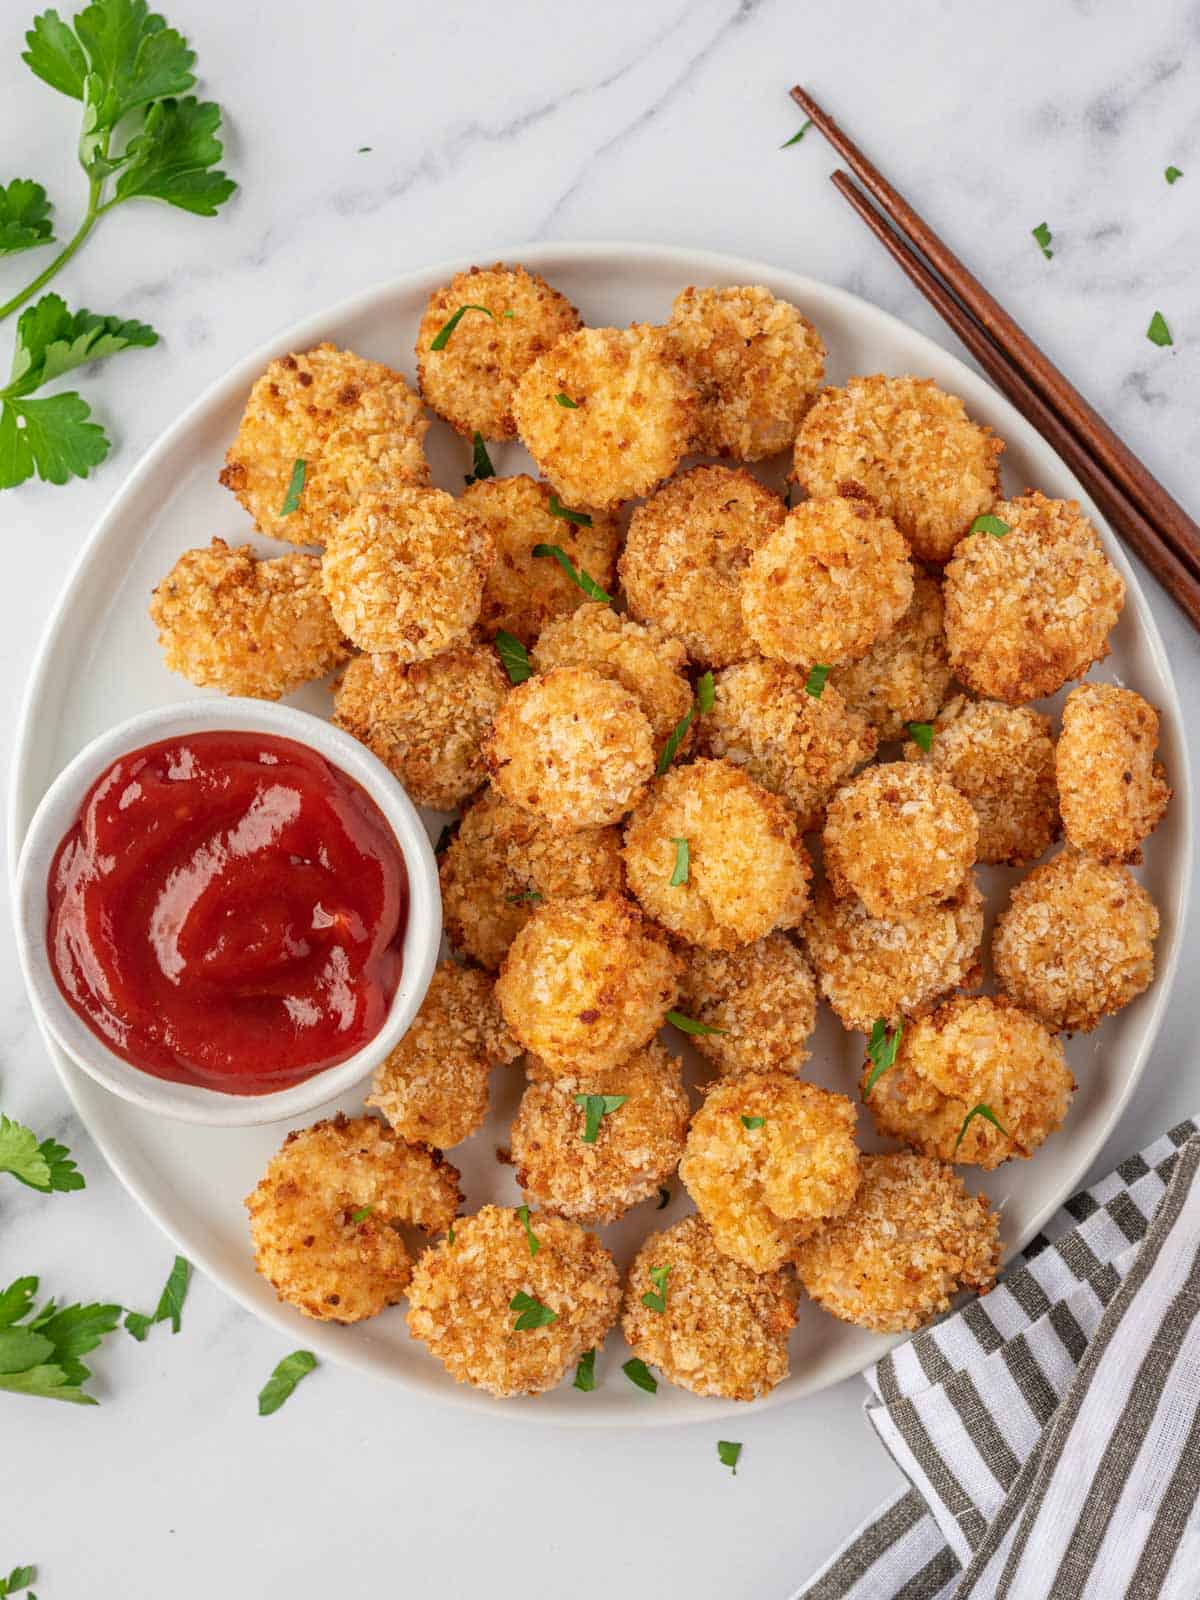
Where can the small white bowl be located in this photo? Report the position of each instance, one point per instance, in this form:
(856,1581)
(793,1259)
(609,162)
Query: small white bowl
(57,812)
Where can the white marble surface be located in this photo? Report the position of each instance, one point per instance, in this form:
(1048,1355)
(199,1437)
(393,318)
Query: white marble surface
(488,126)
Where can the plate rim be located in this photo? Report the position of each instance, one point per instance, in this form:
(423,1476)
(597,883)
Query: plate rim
(693,263)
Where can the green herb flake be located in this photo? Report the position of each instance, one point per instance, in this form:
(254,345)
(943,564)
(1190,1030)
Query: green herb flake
(295,488)
(664,1199)
(882,1051)
(1158,333)
(753,1122)
(656,1299)
(988,1115)
(922,735)
(996,526)
(531,1238)
(526,897)
(514,656)
(564,513)
(706,692)
(442,337)
(578,577)
(690,1025)
(1173,174)
(361,1214)
(450,1234)
(640,1376)
(533,1314)
(728,1452)
(679,873)
(281,1385)
(566,402)
(481,462)
(796,137)
(814,684)
(19,1578)
(170,1303)
(585,1372)
(364,150)
(45,1166)
(1043,236)
(597,1107)
(704,701)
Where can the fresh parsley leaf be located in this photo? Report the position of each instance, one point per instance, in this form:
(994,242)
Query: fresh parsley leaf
(282,1382)
(526,897)
(450,1235)
(481,462)
(43,1357)
(295,488)
(19,1578)
(172,157)
(728,1451)
(514,657)
(814,684)
(882,1051)
(664,1199)
(585,1372)
(52,340)
(531,1238)
(361,1214)
(170,1303)
(705,698)
(656,1299)
(988,1115)
(689,1025)
(597,1107)
(45,1166)
(52,437)
(1173,174)
(55,55)
(679,874)
(533,1314)
(16,1301)
(922,735)
(578,577)
(24,217)
(565,514)
(753,1122)
(566,402)
(364,149)
(706,692)
(640,1375)
(442,337)
(134,57)
(796,137)
(996,526)
(1158,333)
(1043,236)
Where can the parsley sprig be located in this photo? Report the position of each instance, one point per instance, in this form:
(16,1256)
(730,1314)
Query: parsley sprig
(513,656)
(585,1372)
(45,1165)
(922,735)
(40,1351)
(639,1375)
(656,1299)
(728,1451)
(532,1313)
(987,523)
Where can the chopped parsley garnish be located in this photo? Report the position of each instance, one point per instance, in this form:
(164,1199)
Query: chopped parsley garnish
(664,1199)
(442,337)
(42,1357)
(815,682)
(640,1375)
(581,519)
(19,1578)
(656,1299)
(566,402)
(597,1107)
(679,873)
(996,526)
(282,1382)
(753,1122)
(533,1314)
(922,735)
(882,1051)
(531,1238)
(361,1214)
(988,1115)
(481,462)
(1173,174)
(45,1166)
(689,1025)
(1158,333)
(364,150)
(526,897)
(576,574)
(705,696)
(295,488)
(514,656)
(450,1234)
(585,1372)
(728,1451)
(170,1303)
(1043,236)
(796,137)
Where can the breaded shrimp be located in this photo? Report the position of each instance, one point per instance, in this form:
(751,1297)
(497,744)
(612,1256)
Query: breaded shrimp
(904,678)
(760,998)
(1113,792)
(643,660)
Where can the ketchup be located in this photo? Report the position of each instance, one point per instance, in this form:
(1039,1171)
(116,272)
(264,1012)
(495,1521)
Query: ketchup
(228,910)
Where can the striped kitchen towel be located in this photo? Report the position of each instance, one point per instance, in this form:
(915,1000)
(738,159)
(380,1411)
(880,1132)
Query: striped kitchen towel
(1050,1432)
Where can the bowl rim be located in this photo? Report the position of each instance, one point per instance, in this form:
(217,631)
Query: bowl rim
(189,1102)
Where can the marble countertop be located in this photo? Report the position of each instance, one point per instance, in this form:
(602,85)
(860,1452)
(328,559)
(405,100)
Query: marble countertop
(488,126)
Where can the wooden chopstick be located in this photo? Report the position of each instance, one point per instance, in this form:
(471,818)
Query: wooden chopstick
(1164,514)
(1179,581)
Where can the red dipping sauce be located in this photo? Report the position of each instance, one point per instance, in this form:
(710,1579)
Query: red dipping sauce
(228,910)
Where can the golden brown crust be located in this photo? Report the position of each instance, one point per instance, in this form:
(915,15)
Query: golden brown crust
(1113,792)
(643,660)
(904,677)
(762,998)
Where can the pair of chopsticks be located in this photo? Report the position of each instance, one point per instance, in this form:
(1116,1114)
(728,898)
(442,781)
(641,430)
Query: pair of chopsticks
(1150,522)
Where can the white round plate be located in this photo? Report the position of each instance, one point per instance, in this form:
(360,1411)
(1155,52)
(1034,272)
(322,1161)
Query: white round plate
(99,663)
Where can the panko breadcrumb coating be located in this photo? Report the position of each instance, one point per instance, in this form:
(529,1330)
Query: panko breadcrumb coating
(763,999)
(425,720)
(1076,941)
(1033,608)
(524,592)
(904,677)
(769,1159)
(909,447)
(747,868)
(643,660)
(828,584)
(573,747)
(307,1241)
(355,424)
(586,983)
(503,863)
(433,1087)
(899,837)
(725,1329)
(1113,792)
(460,1300)
(630,420)
(1001,758)
(472,379)
(404,572)
(972,1051)
(912,1239)
(685,553)
(869,968)
(796,744)
(756,364)
(637,1145)
(228,621)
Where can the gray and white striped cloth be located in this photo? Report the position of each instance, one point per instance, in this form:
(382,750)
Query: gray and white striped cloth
(1050,1432)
